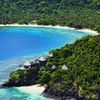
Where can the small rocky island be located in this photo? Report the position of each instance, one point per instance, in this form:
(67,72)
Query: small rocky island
(71,71)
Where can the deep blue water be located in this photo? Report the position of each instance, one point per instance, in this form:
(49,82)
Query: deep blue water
(17,44)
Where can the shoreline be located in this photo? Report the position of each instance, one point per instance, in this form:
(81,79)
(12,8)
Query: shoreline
(86,30)
(31,89)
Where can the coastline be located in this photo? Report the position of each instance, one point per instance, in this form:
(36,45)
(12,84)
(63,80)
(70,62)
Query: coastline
(33,88)
(86,30)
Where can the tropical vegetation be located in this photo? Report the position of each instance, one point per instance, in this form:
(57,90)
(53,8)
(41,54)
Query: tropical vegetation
(73,13)
(81,80)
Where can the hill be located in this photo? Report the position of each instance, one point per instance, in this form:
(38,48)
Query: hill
(76,72)
(73,13)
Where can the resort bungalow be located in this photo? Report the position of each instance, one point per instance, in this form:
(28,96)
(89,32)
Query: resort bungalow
(53,68)
(64,67)
(42,60)
(50,55)
(27,65)
(36,63)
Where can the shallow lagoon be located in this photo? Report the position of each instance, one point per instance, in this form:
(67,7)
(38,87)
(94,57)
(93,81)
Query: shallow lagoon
(17,44)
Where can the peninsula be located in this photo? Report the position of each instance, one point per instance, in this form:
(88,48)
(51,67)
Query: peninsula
(71,71)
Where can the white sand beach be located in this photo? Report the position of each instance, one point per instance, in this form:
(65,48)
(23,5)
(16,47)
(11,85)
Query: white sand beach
(88,31)
(57,26)
(30,89)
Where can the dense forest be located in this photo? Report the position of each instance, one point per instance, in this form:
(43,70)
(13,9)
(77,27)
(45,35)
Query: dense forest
(81,79)
(73,13)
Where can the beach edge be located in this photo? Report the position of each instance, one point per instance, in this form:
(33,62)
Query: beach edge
(86,30)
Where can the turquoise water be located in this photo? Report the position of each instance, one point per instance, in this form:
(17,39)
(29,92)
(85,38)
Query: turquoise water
(17,44)
(15,94)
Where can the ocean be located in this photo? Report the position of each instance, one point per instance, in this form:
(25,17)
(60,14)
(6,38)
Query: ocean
(18,44)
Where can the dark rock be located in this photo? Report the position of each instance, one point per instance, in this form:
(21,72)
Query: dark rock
(60,91)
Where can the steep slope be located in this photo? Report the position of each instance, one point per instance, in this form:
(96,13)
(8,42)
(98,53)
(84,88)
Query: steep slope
(74,13)
(80,80)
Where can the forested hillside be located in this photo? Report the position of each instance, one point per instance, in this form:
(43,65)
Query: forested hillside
(81,79)
(73,13)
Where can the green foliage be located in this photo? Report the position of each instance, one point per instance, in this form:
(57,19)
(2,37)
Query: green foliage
(82,57)
(73,13)
(82,77)
(83,61)
(97,28)
(15,76)
(23,77)
(45,78)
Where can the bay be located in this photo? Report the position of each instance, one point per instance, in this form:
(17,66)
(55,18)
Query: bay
(18,44)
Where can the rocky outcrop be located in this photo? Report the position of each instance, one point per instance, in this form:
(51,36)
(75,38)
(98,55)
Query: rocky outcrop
(22,78)
(61,91)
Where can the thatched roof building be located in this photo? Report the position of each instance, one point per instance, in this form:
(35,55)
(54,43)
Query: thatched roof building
(54,67)
(64,67)
(50,55)
(36,61)
(42,58)
(27,63)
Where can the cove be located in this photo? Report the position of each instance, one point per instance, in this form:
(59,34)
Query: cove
(17,44)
